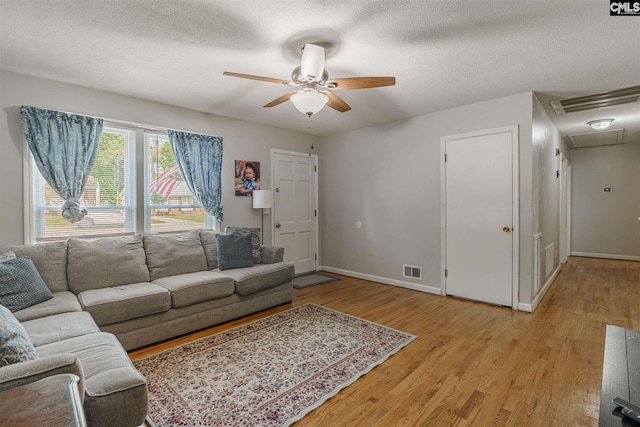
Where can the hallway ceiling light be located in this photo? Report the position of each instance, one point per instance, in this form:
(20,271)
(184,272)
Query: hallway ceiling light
(600,124)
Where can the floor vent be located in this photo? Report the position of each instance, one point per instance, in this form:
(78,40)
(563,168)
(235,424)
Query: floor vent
(412,271)
(598,100)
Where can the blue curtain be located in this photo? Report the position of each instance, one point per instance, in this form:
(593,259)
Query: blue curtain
(64,147)
(199,158)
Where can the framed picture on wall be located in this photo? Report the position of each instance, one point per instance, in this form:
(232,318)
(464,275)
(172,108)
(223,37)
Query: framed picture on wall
(247,177)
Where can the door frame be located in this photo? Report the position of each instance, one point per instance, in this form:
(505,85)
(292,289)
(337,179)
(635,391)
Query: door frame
(515,235)
(565,209)
(272,222)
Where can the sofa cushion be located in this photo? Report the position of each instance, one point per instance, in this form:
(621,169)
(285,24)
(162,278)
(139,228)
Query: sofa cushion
(192,288)
(60,327)
(115,392)
(120,303)
(15,345)
(210,246)
(51,261)
(271,254)
(234,251)
(106,262)
(62,302)
(255,240)
(173,254)
(261,276)
(21,285)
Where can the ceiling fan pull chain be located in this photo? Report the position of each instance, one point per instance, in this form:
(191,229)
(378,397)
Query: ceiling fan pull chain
(309,136)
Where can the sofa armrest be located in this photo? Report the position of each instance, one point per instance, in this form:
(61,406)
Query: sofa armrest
(22,373)
(271,254)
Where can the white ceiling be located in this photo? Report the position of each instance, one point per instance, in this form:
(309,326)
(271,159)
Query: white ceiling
(443,53)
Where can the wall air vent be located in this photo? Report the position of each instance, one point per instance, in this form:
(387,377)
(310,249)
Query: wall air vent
(596,139)
(598,100)
(412,272)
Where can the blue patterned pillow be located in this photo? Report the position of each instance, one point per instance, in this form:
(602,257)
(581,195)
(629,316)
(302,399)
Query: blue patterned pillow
(21,285)
(15,345)
(234,251)
(7,255)
(255,240)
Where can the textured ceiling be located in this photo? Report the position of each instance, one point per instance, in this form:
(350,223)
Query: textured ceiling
(443,53)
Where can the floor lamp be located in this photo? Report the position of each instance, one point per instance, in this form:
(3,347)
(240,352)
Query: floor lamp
(262,199)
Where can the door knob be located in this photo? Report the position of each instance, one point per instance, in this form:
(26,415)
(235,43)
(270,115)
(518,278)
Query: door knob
(278,225)
(506,229)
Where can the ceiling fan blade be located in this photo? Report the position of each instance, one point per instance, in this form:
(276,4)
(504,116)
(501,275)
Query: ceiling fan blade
(360,82)
(260,78)
(279,100)
(336,102)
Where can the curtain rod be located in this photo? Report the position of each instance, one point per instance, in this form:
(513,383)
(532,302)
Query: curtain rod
(142,126)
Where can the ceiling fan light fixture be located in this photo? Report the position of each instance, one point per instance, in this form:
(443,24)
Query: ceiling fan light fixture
(309,101)
(600,124)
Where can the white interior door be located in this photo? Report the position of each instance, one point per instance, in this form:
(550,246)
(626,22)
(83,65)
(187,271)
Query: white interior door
(479,215)
(295,209)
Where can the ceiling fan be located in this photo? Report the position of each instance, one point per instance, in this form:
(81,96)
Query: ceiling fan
(314,86)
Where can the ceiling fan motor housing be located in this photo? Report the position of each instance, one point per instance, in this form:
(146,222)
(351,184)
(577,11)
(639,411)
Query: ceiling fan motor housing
(312,64)
(298,77)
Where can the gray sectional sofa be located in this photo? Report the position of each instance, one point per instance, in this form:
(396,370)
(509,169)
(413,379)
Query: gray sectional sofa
(116,294)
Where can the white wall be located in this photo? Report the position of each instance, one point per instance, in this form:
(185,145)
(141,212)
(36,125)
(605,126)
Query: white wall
(242,140)
(546,188)
(387,178)
(606,224)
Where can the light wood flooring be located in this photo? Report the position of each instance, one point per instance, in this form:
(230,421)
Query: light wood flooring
(475,364)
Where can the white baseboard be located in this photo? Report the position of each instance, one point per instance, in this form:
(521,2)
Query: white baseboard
(608,256)
(386,281)
(531,307)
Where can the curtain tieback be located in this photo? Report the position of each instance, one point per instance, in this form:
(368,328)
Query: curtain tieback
(71,210)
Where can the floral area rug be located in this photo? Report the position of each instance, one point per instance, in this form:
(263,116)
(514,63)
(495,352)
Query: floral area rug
(270,372)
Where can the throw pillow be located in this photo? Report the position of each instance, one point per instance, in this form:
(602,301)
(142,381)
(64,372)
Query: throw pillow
(255,240)
(7,255)
(21,285)
(234,251)
(15,345)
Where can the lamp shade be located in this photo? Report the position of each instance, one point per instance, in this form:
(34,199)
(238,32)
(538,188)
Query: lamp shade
(262,199)
(309,102)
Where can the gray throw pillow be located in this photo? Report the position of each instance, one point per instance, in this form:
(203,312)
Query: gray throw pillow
(21,285)
(234,251)
(255,240)
(15,344)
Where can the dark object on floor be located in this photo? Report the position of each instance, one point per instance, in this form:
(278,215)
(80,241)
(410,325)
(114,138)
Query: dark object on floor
(311,279)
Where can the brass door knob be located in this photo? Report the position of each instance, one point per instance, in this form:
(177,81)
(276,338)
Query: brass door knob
(506,229)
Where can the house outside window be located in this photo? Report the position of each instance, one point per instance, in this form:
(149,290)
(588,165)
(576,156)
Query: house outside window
(171,206)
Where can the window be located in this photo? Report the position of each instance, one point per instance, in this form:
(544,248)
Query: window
(171,205)
(111,193)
